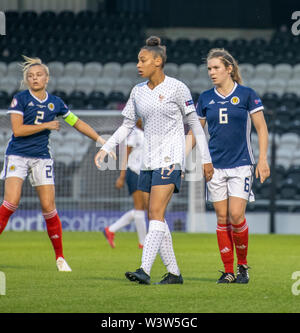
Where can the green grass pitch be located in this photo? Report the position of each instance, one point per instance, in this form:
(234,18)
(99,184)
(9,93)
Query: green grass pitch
(97,283)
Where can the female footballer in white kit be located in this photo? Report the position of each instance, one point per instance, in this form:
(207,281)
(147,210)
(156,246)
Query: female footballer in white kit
(32,113)
(228,110)
(161,102)
(132,161)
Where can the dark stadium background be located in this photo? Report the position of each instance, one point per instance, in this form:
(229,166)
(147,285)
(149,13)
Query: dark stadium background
(114,30)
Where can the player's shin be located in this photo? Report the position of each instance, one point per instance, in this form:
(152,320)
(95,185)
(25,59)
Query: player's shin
(225,243)
(167,254)
(140,225)
(152,244)
(240,238)
(54,230)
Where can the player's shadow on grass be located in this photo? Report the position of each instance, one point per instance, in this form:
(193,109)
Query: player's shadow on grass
(106,278)
(3,267)
(200,279)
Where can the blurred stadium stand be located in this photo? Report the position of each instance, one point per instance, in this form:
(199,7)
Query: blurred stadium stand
(92,60)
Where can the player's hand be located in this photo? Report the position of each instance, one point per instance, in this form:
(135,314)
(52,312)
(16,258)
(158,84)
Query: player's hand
(120,183)
(262,170)
(208,171)
(99,158)
(100,142)
(52,125)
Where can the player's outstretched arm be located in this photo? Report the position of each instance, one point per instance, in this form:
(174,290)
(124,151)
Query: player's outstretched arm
(84,128)
(262,168)
(120,134)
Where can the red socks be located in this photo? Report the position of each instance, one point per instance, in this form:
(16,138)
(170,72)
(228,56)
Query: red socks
(6,210)
(227,235)
(240,239)
(225,242)
(54,230)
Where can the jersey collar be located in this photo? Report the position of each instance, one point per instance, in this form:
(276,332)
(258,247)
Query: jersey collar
(232,91)
(41,101)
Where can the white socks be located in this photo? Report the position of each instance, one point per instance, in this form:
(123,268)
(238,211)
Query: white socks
(140,225)
(159,239)
(138,216)
(122,221)
(153,240)
(167,253)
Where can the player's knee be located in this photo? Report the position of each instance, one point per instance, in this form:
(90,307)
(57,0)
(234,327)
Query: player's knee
(222,219)
(48,207)
(236,217)
(155,213)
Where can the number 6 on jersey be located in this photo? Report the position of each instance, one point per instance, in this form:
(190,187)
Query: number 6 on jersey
(223,116)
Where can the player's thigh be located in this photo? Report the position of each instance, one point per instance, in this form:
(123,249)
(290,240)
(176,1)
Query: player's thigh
(221,209)
(41,172)
(160,196)
(46,194)
(236,209)
(146,198)
(13,190)
(240,182)
(138,200)
(217,187)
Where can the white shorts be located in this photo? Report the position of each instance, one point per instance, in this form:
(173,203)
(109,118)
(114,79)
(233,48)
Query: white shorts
(39,170)
(235,182)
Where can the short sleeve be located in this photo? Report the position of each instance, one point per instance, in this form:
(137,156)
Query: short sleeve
(254,102)
(63,109)
(16,106)
(129,110)
(184,99)
(201,111)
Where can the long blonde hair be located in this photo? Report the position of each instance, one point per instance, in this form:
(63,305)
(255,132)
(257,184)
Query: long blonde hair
(29,62)
(228,60)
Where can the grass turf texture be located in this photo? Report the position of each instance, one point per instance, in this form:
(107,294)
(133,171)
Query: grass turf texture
(98,285)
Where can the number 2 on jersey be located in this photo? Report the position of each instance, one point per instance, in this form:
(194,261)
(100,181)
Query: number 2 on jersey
(223,116)
(39,116)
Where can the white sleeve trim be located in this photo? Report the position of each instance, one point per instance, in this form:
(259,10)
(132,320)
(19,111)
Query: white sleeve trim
(15,111)
(66,114)
(257,109)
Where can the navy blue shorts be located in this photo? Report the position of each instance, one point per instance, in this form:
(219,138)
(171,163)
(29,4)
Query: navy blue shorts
(161,176)
(132,181)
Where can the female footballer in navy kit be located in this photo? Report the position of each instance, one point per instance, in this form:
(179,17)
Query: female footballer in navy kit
(228,109)
(32,113)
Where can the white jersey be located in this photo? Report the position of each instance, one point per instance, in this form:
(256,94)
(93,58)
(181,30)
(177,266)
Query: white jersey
(136,141)
(162,110)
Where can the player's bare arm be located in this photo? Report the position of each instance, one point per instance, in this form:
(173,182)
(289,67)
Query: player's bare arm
(20,129)
(262,169)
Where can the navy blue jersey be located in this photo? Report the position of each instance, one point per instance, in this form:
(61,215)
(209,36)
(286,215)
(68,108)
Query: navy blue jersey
(229,124)
(34,112)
